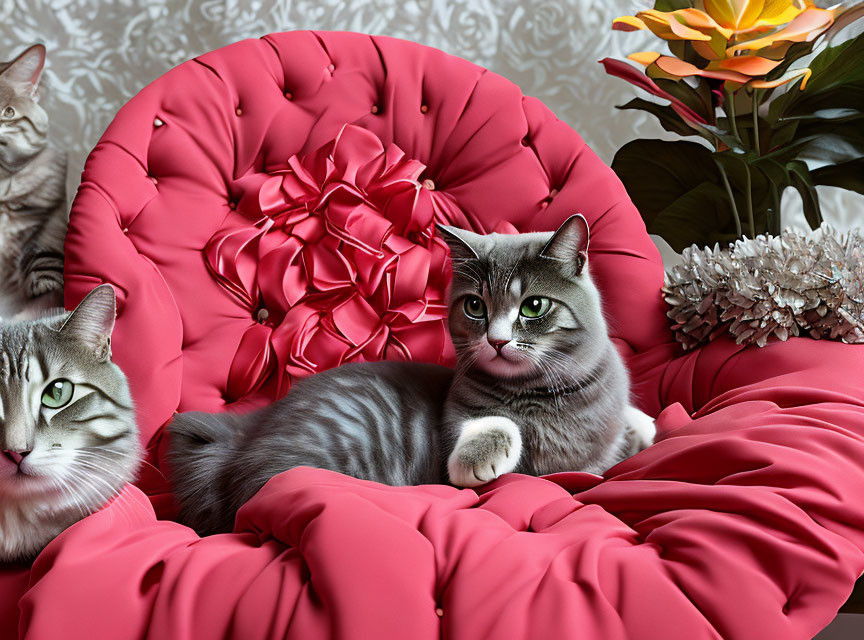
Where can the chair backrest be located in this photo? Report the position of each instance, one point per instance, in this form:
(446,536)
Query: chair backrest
(163,211)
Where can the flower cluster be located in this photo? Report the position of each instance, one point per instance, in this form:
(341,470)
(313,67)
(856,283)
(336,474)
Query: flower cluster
(341,263)
(735,41)
(779,286)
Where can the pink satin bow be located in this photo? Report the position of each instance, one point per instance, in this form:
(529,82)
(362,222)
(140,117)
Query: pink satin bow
(337,259)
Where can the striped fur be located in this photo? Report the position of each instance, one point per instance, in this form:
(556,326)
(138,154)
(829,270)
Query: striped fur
(559,377)
(78,455)
(33,214)
(374,421)
(557,402)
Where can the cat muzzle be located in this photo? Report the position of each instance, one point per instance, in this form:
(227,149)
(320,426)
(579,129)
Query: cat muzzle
(16,456)
(498,344)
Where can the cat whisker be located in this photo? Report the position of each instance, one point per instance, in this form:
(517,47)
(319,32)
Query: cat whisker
(123,454)
(102,469)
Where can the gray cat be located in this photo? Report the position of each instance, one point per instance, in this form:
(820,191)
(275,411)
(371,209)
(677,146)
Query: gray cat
(33,214)
(538,388)
(68,437)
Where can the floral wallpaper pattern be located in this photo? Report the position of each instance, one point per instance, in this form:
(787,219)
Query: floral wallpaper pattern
(101,53)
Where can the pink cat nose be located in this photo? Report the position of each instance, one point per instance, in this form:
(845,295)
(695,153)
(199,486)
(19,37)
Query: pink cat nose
(498,344)
(15,456)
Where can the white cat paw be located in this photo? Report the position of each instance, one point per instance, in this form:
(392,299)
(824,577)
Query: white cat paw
(642,425)
(486,449)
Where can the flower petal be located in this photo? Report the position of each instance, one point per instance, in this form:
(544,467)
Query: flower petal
(628,23)
(683,69)
(748,65)
(634,76)
(701,21)
(666,26)
(715,49)
(777,12)
(804,28)
(735,14)
(789,76)
(645,58)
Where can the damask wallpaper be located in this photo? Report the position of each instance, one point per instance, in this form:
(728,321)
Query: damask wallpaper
(102,52)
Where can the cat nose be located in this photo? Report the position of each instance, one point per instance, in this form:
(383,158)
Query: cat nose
(16,456)
(498,344)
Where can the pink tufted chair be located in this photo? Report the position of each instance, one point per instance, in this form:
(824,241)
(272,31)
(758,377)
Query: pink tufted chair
(738,523)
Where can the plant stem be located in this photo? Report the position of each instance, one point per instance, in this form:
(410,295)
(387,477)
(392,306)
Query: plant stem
(750,202)
(756,121)
(726,184)
(730,114)
(774,214)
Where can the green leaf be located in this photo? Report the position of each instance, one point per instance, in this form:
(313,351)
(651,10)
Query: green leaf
(677,189)
(780,135)
(656,172)
(698,99)
(699,216)
(839,114)
(848,175)
(672,5)
(837,66)
(806,103)
(667,116)
(838,76)
(803,182)
(795,52)
(847,16)
(722,132)
(683,50)
(831,143)
(738,168)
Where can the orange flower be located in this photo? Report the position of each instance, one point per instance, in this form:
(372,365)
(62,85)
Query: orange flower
(741,41)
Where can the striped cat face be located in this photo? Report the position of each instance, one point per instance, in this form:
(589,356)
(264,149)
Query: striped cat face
(68,436)
(23,123)
(523,306)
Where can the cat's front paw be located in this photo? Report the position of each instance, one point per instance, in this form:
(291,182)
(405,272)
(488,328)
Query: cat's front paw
(642,426)
(487,448)
(38,283)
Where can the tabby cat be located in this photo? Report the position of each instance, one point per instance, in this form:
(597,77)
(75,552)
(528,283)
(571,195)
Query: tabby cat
(538,388)
(68,437)
(33,213)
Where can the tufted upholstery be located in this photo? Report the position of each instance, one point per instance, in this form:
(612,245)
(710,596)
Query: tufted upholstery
(736,524)
(161,190)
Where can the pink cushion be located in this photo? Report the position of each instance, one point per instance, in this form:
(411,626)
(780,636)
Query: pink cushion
(737,524)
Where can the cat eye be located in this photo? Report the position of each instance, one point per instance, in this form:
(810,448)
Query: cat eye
(534,307)
(475,307)
(8,113)
(58,393)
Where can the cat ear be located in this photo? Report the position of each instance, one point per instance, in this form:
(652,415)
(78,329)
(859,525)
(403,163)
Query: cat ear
(570,244)
(459,242)
(24,71)
(93,321)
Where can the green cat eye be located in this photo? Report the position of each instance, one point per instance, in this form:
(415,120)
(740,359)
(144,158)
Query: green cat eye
(58,393)
(8,113)
(534,307)
(475,307)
